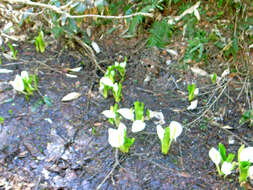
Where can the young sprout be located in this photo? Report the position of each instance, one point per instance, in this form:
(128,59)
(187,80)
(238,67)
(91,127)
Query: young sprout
(215,156)
(168,134)
(23,83)
(245,158)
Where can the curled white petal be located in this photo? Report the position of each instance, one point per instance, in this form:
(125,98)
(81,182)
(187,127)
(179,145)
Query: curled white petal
(196,91)
(246,154)
(160,132)
(115,87)
(196,13)
(126,113)
(109,114)
(116,136)
(123,64)
(18,83)
(175,130)
(227,168)
(250,172)
(24,75)
(193,106)
(214,155)
(106,81)
(138,125)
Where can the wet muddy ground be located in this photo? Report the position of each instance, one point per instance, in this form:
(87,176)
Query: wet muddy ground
(65,145)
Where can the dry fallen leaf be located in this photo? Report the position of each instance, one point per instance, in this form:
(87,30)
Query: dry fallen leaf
(199,71)
(71,96)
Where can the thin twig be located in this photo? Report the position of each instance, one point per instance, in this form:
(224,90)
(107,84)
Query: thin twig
(189,124)
(60,10)
(112,170)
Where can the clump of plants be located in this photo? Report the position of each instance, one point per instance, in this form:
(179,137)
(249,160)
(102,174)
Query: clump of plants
(25,84)
(225,165)
(117,138)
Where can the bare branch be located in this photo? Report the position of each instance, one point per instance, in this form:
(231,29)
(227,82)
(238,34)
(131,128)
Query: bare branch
(60,10)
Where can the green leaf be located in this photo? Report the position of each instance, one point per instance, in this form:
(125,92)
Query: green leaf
(191,89)
(128,142)
(243,169)
(139,110)
(230,157)
(39,42)
(222,151)
(160,34)
(1,120)
(213,78)
(166,141)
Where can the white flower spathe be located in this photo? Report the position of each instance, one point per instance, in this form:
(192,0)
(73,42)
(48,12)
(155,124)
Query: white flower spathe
(126,113)
(246,154)
(106,81)
(24,75)
(227,168)
(115,87)
(18,83)
(196,91)
(109,114)
(215,155)
(250,172)
(193,105)
(116,137)
(138,125)
(175,130)
(160,132)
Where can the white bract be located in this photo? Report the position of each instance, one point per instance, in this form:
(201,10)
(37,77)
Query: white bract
(109,114)
(24,75)
(106,81)
(138,125)
(126,113)
(227,168)
(250,172)
(193,105)
(215,155)
(246,154)
(117,136)
(175,130)
(18,83)
(115,87)
(196,91)
(160,132)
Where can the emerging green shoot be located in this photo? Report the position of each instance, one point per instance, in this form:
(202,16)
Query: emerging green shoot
(1,120)
(219,157)
(39,42)
(118,138)
(213,78)
(168,134)
(13,51)
(192,91)
(25,84)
